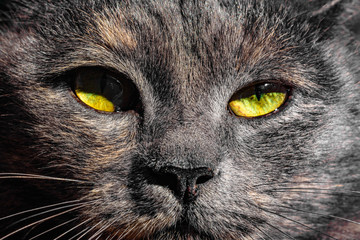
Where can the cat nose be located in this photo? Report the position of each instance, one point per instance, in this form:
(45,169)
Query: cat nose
(184,182)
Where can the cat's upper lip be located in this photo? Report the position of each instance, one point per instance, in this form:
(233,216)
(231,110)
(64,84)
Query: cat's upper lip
(184,226)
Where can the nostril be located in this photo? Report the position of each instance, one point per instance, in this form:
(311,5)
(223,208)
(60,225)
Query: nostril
(183,182)
(204,179)
(168,180)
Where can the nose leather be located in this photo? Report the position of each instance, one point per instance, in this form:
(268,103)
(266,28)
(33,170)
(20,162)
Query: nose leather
(184,183)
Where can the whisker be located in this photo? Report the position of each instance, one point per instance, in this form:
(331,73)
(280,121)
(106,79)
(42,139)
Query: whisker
(102,229)
(83,235)
(114,235)
(39,208)
(254,225)
(260,230)
(40,221)
(99,236)
(297,222)
(51,229)
(110,237)
(143,227)
(263,233)
(318,192)
(125,233)
(320,214)
(35,176)
(251,238)
(300,182)
(72,229)
(51,210)
(285,183)
(278,229)
(79,233)
(318,189)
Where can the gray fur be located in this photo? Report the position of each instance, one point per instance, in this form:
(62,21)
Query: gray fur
(289,175)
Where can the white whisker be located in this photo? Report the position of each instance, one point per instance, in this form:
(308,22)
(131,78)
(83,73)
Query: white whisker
(51,210)
(316,189)
(99,236)
(51,229)
(279,230)
(319,192)
(102,229)
(321,214)
(35,176)
(72,229)
(126,232)
(36,209)
(84,234)
(40,221)
(114,235)
(297,222)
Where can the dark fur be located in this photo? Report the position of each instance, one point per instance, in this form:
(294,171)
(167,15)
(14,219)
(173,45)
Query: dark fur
(291,175)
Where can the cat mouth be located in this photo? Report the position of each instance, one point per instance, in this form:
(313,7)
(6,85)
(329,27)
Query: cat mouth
(184,227)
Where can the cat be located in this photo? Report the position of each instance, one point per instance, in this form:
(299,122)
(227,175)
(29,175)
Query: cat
(144,119)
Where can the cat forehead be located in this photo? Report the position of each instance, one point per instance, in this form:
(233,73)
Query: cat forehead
(203,38)
(180,47)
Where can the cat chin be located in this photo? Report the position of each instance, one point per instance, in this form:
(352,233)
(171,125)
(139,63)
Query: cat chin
(185,223)
(179,231)
(178,222)
(145,228)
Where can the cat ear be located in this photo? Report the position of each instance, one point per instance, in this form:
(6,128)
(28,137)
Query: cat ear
(3,11)
(350,17)
(328,13)
(324,8)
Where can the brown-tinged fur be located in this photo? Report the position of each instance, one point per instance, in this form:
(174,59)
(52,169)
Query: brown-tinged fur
(68,171)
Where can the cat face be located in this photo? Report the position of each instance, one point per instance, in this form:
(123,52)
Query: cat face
(179,120)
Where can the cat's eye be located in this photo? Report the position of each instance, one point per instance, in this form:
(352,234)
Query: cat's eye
(259,100)
(104,90)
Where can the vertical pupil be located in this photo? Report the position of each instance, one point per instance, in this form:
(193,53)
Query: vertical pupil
(103,82)
(260,89)
(112,90)
(258,92)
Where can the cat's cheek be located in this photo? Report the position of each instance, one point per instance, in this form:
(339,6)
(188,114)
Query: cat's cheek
(148,205)
(106,162)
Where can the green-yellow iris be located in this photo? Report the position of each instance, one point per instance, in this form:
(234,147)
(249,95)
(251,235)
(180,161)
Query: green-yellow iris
(91,88)
(254,107)
(95,100)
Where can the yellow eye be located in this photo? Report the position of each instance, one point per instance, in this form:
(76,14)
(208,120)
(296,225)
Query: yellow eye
(104,91)
(259,100)
(95,100)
